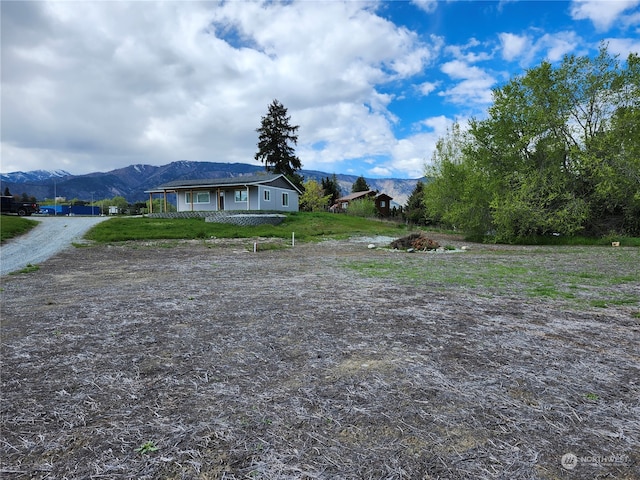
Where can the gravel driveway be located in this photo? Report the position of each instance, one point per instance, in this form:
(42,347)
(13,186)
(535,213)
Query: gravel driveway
(53,235)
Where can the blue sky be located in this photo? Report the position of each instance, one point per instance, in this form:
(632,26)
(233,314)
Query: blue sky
(94,86)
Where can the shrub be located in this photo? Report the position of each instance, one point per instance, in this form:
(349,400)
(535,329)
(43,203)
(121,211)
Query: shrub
(364,207)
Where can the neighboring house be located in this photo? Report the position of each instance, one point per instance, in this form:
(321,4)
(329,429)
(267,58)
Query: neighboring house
(382,201)
(245,192)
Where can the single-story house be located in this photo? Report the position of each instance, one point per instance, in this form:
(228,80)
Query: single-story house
(382,201)
(244,192)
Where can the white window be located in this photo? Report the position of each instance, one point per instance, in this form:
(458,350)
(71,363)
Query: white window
(285,199)
(267,195)
(198,197)
(383,204)
(241,196)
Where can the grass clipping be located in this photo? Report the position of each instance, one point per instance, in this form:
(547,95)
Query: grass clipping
(218,363)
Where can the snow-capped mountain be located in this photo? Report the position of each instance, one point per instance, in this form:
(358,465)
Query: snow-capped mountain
(132,181)
(33,176)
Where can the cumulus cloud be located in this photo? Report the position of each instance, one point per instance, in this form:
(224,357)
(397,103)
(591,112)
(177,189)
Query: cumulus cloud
(525,49)
(623,46)
(601,14)
(149,82)
(110,83)
(93,86)
(474,83)
(514,46)
(428,6)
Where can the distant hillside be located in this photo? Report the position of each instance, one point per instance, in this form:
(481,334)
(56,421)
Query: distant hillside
(131,182)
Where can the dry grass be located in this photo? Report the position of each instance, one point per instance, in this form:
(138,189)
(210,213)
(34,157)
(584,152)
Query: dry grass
(286,364)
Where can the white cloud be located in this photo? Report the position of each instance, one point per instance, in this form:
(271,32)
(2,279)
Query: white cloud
(474,86)
(114,83)
(514,46)
(428,6)
(380,171)
(465,53)
(426,88)
(525,49)
(602,14)
(623,46)
(92,86)
(558,45)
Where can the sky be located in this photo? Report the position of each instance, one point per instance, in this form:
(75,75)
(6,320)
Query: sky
(94,86)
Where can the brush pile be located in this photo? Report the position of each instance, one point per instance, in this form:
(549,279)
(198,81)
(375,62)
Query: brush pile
(415,241)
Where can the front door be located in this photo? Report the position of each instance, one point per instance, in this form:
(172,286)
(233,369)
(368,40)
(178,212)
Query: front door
(221,203)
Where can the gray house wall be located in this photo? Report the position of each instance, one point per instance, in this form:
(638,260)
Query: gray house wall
(256,199)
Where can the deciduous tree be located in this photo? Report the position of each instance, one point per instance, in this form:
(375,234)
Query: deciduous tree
(313,198)
(558,153)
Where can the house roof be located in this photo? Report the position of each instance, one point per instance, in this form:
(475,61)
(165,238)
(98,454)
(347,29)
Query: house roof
(241,180)
(356,195)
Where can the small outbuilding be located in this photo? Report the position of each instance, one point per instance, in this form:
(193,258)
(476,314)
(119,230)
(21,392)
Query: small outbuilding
(382,201)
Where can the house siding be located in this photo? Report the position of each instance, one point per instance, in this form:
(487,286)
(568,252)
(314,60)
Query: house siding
(256,200)
(224,190)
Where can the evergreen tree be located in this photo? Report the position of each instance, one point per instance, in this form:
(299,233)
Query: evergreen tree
(331,188)
(415,212)
(7,193)
(360,185)
(275,139)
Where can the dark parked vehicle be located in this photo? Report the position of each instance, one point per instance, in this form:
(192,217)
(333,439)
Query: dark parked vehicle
(24,209)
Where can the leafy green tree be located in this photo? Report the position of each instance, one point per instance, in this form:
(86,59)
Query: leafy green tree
(458,195)
(360,185)
(558,153)
(276,137)
(313,198)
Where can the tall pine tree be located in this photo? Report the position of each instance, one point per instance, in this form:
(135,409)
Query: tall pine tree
(360,185)
(331,187)
(276,137)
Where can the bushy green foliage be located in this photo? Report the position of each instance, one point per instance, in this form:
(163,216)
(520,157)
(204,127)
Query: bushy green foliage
(558,153)
(364,207)
(313,198)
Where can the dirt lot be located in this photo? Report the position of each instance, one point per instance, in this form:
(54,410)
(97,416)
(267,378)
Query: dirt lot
(205,360)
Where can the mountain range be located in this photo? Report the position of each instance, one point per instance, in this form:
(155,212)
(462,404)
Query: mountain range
(132,181)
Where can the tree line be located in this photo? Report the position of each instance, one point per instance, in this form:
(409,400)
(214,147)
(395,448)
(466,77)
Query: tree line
(559,153)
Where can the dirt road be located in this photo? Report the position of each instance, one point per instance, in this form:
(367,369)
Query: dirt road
(53,235)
